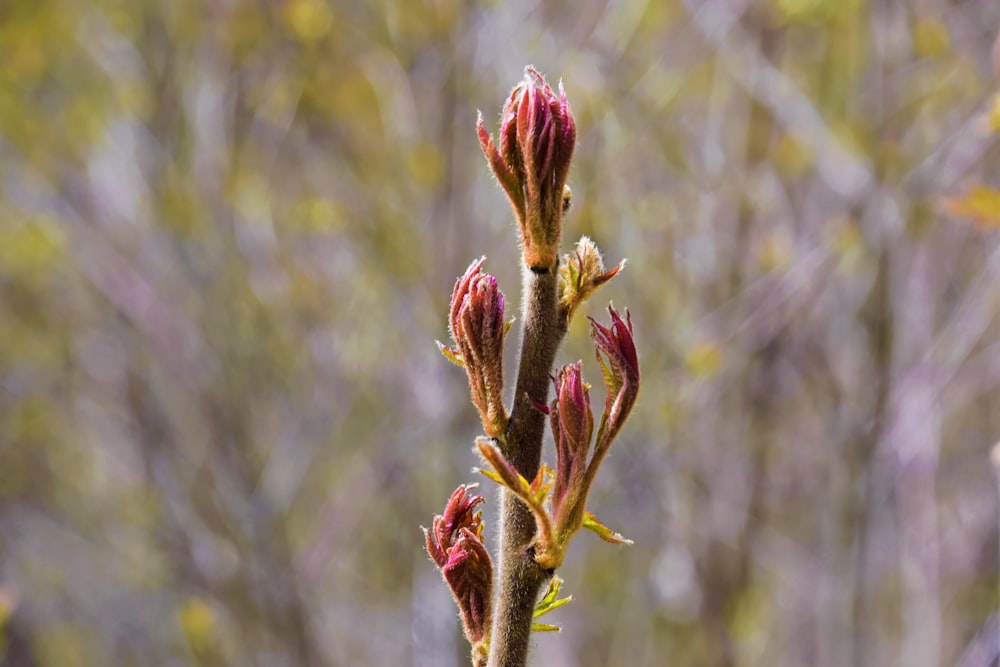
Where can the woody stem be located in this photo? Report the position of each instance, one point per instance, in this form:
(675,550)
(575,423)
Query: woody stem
(521,577)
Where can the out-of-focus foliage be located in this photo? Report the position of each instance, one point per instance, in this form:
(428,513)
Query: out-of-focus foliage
(228,233)
(980,203)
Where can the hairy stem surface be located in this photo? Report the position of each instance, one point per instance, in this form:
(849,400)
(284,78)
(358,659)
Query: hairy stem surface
(521,577)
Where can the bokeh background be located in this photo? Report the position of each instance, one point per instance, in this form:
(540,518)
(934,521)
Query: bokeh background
(228,234)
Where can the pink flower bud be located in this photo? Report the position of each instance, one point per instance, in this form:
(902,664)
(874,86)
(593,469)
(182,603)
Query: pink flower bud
(572,426)
(455,543)
(620,370)
(537,136)
(469,574)
(478,329)
(459,514)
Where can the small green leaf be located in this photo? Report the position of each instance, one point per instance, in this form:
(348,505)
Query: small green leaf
(450,353)
(590,522)
(549,601)
(545,627)
(490,474)
(555,605)
(555,583)
(506,474)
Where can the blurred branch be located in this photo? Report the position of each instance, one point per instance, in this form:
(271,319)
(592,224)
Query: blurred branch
(952,348)
(718,22)
(984,648)
(953,158)
(119,280)
(845,174)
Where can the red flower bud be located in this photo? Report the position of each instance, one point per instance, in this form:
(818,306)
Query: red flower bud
(572,426)
(469,574)
(455,543)
(537,136)
(459,514)
(478,329)
(621,373)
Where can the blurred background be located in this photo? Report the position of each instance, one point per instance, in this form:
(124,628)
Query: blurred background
(229,230)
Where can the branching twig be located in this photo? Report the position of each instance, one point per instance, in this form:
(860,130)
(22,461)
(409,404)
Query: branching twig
(531,161)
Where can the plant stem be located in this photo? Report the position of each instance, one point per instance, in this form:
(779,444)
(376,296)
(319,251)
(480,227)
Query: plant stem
(521,577)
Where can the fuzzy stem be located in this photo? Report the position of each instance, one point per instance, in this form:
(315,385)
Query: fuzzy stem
(521,578)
